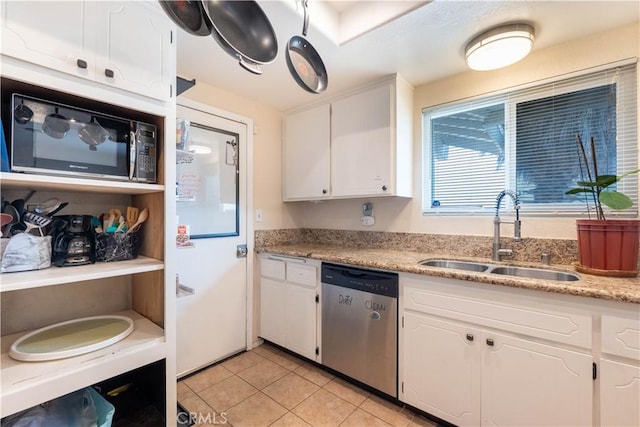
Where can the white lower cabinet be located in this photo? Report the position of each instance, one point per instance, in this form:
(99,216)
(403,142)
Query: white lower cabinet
(289,303)
(300,320)
(272,301)
(529,383)
(619,393)
(465,359)
(620,370)
(442,368)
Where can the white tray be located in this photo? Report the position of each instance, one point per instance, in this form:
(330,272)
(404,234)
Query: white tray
(71,338)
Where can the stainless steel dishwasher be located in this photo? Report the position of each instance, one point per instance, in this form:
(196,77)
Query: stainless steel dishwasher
(360,325)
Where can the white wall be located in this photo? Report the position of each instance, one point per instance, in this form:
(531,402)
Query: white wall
(402,215)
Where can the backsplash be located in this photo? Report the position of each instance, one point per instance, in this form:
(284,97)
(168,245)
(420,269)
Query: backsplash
(561,251)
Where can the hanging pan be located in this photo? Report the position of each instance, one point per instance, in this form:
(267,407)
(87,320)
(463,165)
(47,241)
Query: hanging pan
(243,30)
(304,62)
(188,15)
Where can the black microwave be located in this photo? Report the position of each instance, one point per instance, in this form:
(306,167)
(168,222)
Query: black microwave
(52,138)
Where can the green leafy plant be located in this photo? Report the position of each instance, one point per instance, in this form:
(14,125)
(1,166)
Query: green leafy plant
(596,186)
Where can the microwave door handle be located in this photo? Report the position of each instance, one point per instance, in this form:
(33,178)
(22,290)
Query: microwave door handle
(132,154)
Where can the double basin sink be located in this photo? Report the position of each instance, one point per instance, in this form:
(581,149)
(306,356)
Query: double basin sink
(480,267)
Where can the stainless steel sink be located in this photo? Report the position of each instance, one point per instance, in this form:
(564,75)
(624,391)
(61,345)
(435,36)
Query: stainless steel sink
(535,273)
(455,265)
(479,267)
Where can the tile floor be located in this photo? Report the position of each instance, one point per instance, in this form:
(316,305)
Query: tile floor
(269,387)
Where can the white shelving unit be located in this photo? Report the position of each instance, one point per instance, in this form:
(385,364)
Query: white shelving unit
(26,384)
(142,289)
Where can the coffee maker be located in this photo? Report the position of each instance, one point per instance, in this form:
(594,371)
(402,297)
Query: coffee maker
(74,244)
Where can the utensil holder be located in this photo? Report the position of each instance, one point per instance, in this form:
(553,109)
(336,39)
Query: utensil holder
(117,246)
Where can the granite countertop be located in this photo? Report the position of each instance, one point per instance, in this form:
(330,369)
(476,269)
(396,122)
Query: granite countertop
(616,289)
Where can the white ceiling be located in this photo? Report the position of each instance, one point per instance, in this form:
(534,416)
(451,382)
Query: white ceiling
(423,41)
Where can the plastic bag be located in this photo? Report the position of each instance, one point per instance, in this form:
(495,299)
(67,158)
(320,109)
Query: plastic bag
(82,408)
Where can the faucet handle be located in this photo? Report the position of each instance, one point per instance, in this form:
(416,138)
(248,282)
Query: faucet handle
(545,258)
(517,226)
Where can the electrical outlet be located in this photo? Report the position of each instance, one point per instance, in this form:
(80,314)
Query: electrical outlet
(258,215)
(368,220)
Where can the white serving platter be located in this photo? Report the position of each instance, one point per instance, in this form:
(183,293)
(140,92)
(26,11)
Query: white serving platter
(71,338)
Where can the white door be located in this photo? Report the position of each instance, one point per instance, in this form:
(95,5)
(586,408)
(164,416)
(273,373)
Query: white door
(307,147)
(441,368)
(58,35)
(211,197)
(140,67)
(530,383)
(361,138)
(619,394)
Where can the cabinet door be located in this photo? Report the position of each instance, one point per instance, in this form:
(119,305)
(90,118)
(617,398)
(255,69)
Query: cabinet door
(272,304)
(54,35)
(361,143)
(441,368)
(619,394)
(306,154)
(133,51)
(300,320)
(528,383)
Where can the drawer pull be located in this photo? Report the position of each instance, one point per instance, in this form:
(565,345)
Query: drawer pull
(490,342)
(469,337)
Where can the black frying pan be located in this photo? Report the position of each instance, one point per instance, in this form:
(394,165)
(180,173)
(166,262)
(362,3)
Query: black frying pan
(304,62)
(243,30)
(188,15)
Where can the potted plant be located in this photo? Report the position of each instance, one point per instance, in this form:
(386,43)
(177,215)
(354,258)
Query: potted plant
(607,247)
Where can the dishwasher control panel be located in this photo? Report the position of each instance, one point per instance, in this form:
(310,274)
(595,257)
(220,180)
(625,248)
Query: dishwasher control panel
(373,281)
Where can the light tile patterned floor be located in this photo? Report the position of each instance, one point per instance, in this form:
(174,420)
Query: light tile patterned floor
(268,387)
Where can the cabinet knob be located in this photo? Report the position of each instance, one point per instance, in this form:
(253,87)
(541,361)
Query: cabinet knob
(470,337)
(108,72)
(490,342)
(384,188)
(81,63)
(324,191)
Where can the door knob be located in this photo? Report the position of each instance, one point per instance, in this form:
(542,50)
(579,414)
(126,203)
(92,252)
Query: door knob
(241,251)
(490,342)
(470,337)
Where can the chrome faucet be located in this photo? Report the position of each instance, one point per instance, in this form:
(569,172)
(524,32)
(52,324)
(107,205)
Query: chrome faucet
(498,252)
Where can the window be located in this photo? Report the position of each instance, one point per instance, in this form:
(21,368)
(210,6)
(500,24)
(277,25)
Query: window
(525,140)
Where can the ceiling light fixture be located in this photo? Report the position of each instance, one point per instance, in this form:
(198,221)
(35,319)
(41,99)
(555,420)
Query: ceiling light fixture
(499,47)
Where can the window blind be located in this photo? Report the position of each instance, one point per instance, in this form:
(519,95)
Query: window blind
(526,140)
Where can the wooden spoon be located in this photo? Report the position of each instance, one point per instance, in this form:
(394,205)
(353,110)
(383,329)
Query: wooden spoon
(144,214)
(132,216)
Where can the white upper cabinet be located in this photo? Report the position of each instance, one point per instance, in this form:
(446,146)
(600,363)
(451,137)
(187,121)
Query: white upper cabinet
(86,39)
(307,154)
(357,145)
(56,35)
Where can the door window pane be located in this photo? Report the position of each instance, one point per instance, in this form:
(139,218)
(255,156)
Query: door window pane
(207,182)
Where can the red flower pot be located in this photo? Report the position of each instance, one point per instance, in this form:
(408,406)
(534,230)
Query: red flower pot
(610,245)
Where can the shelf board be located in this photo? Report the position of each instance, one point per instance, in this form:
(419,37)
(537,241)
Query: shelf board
(60,275)
(26,384)
(62,183)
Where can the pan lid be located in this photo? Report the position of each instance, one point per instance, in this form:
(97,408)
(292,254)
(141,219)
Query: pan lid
(188,15)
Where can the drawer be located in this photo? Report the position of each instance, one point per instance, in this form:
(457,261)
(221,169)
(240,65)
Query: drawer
(501,310)
(302,274)
(621,336)
(272,268)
